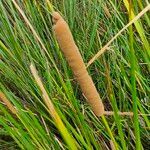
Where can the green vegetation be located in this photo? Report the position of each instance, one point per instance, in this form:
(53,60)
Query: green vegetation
(121,75)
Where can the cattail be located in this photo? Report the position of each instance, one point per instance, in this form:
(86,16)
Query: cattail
(73,56)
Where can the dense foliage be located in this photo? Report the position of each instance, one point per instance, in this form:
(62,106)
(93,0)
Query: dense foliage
(121,75)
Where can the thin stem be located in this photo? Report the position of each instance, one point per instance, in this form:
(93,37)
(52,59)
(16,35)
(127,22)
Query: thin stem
(133,83)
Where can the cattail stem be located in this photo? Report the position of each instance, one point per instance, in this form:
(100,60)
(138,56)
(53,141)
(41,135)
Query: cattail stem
(52,111)
(111,113)
(73,56)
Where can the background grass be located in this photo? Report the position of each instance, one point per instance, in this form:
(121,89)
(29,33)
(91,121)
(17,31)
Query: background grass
(121,75)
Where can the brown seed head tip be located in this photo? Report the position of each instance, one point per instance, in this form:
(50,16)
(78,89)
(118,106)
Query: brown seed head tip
(99,111)
(60,26)
(56,16)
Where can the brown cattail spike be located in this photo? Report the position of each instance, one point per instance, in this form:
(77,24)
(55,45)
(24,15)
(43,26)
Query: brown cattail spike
(73,56)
